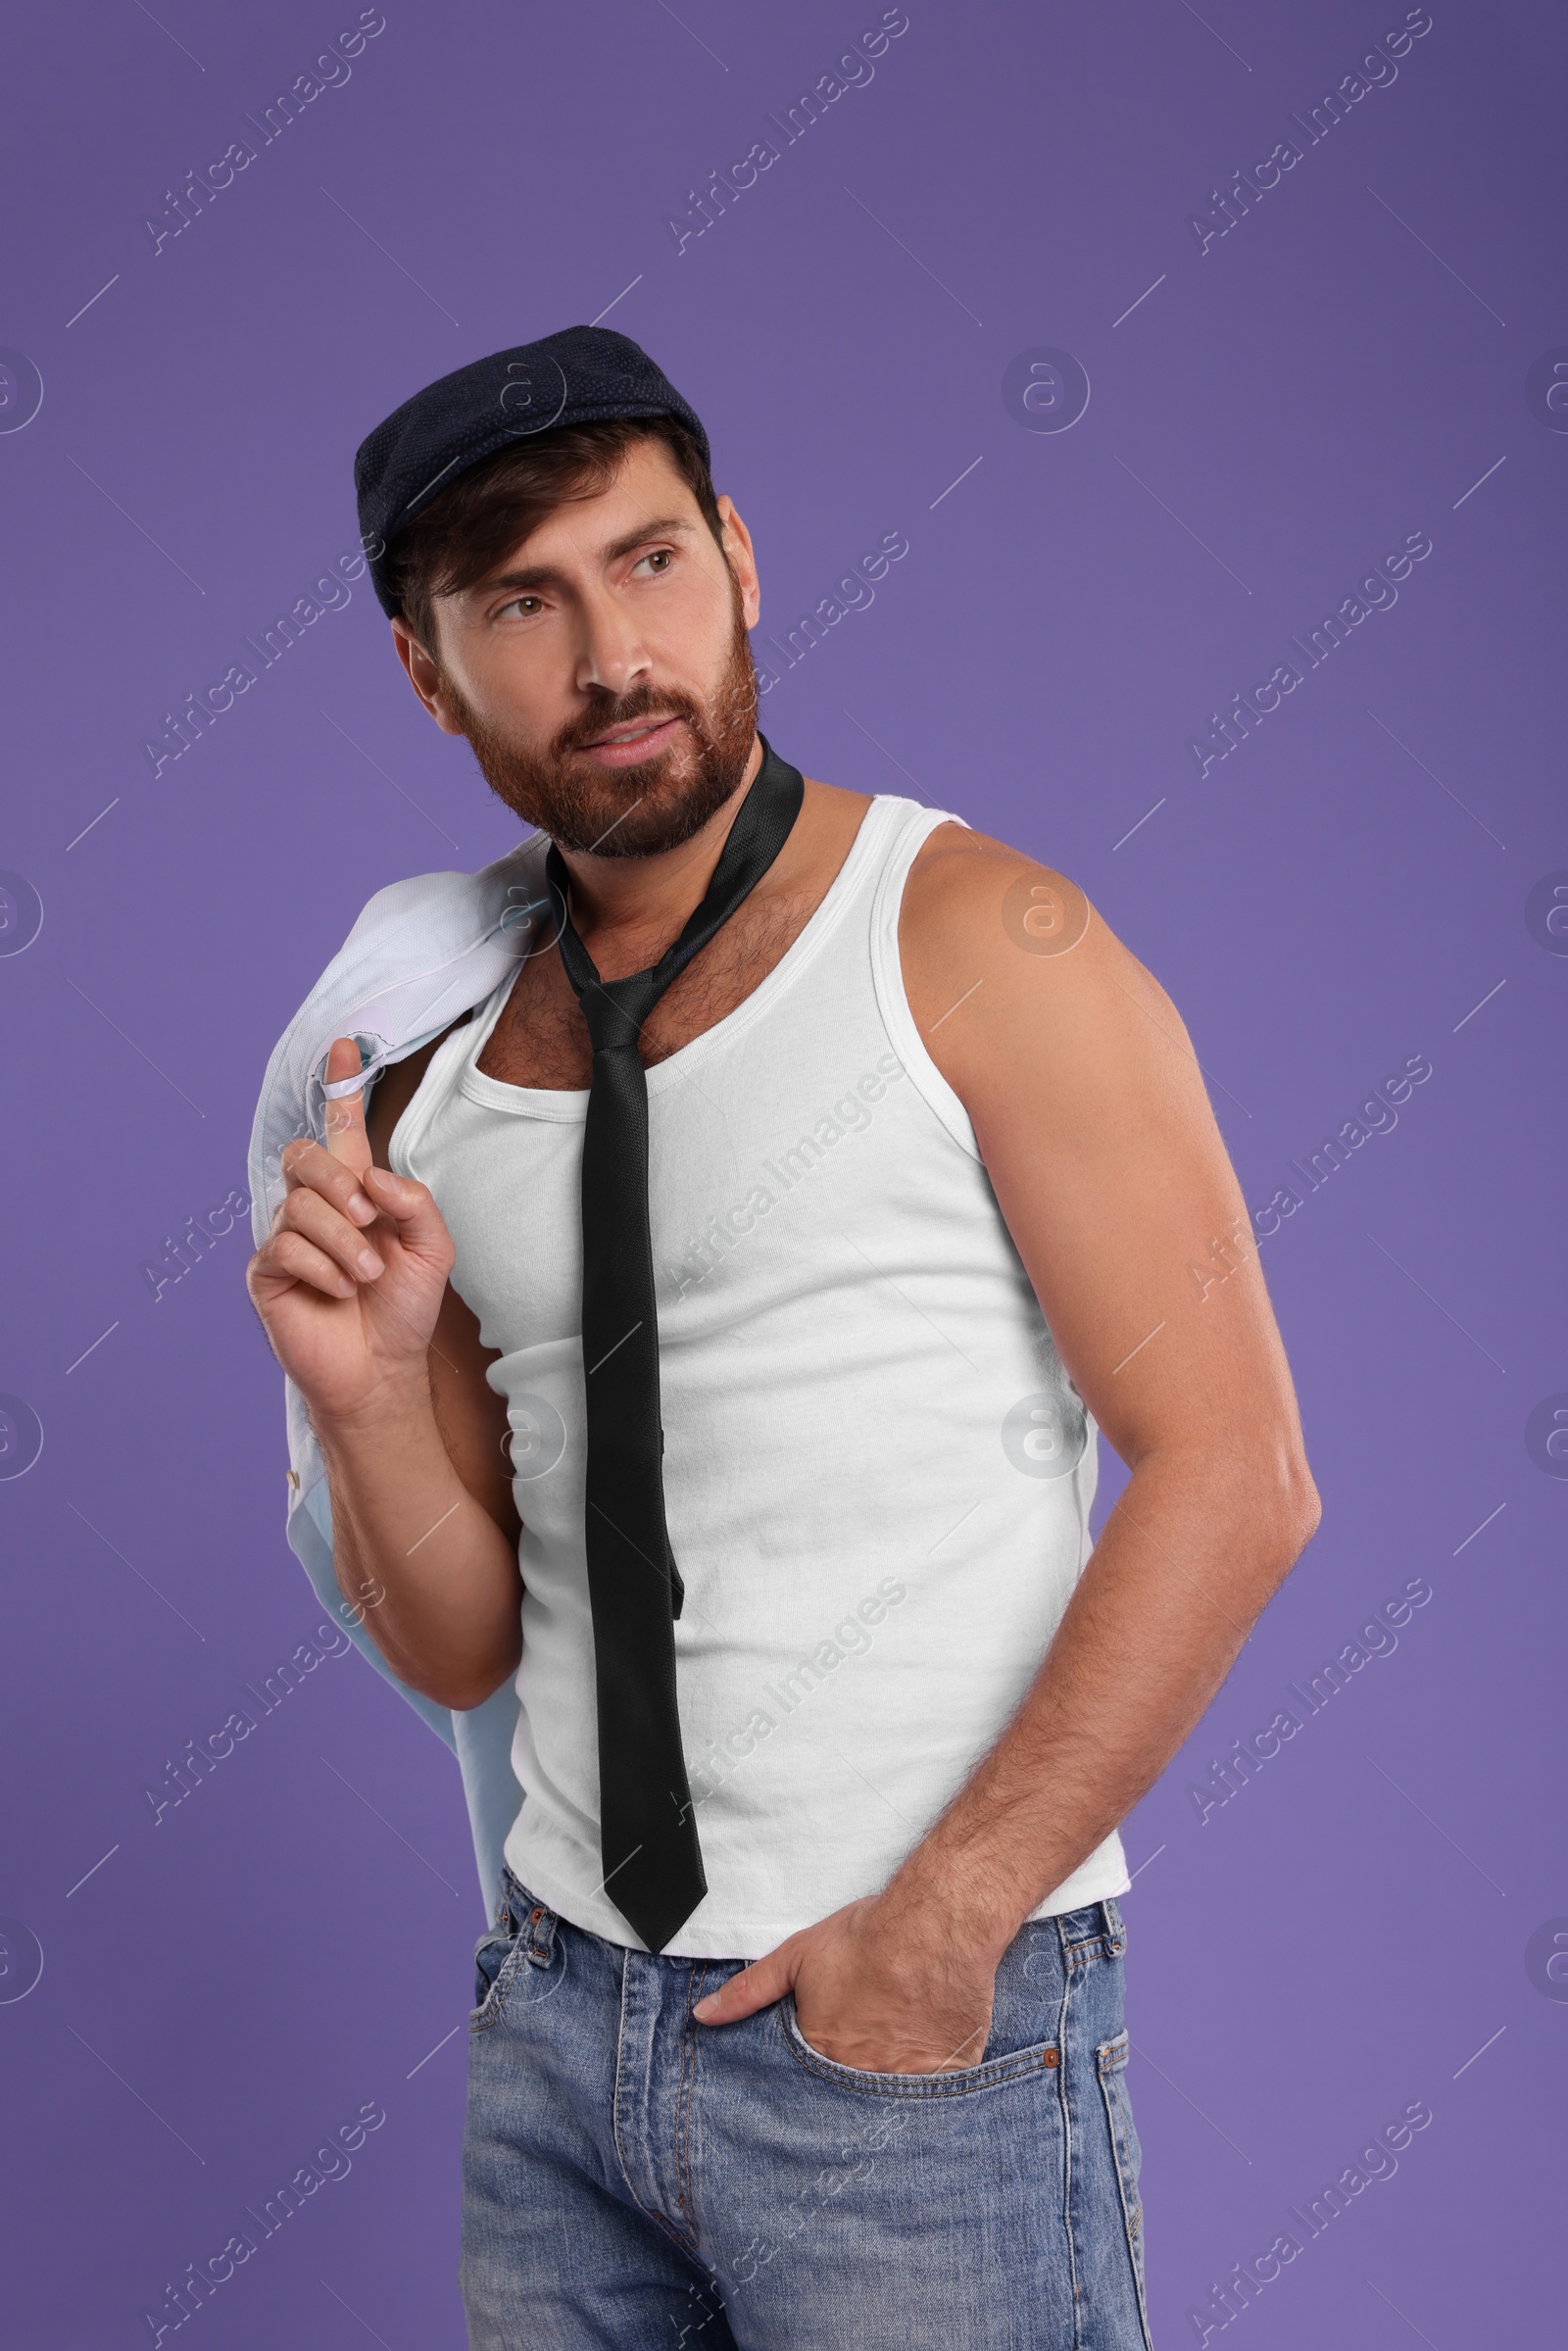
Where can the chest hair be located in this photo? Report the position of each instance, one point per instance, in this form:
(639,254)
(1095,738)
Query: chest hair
(541,1038)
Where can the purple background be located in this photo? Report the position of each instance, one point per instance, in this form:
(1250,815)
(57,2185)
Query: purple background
(222,1989)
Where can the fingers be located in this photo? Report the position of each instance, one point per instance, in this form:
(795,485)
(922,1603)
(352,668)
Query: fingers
(410,1205)
(327,1199)
(328,1171)
(308,1213)
(346,1138)
(756,1987)
(289,1257)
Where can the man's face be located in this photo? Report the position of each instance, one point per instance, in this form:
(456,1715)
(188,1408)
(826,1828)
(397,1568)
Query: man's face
(619,617)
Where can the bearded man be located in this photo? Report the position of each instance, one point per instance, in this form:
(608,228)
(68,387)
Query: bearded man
(706,1335)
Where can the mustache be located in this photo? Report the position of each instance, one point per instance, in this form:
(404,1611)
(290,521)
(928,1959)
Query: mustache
(625,710)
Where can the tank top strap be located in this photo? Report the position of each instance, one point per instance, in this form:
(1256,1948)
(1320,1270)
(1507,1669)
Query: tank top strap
(886,971)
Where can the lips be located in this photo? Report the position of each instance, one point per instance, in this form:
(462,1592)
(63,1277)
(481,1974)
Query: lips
(632,732)
(652,739)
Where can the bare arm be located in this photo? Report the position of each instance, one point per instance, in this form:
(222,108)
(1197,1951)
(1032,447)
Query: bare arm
(1092,1117)
(388,1359)
(1096,1131)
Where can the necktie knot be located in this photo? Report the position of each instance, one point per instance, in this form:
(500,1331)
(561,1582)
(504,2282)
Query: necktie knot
(616,1010)
(762,824)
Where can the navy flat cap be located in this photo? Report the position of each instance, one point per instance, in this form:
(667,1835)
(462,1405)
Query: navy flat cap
(574,377)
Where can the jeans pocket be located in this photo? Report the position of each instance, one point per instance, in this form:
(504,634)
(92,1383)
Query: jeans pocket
(1111,2063)
(1036,2059)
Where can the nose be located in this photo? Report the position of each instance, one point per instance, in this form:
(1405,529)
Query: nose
(612,656)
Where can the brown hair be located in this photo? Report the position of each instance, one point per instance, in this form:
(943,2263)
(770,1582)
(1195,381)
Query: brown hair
(464,532)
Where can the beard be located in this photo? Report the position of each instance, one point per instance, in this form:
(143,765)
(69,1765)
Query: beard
(651,806)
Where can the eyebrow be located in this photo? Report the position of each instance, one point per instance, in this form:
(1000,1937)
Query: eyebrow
(545,575)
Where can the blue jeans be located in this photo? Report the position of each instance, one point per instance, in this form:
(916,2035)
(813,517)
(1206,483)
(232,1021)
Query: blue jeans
(634,2180)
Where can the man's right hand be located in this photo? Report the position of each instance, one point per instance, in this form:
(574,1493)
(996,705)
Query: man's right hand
(350,1279)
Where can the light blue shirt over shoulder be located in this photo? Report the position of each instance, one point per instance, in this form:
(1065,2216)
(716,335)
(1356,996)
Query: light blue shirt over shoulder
(423,953)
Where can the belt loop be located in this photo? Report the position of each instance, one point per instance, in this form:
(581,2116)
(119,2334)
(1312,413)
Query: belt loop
(1115,1931)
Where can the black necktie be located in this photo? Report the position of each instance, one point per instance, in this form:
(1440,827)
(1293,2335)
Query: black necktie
(652,1863)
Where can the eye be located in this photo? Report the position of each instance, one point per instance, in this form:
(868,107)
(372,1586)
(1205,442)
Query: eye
(514,602)
(663,556)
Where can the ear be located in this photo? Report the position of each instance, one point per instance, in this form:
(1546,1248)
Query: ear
(424,677)
(742,561)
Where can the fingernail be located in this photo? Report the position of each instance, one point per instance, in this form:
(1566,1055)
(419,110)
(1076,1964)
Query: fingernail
(360,1207)
(704,2008)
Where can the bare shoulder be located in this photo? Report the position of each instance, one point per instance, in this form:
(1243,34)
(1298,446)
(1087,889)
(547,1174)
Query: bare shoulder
(980,915)
(960,877)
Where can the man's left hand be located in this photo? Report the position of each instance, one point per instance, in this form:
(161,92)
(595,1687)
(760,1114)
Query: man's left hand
(876,1987)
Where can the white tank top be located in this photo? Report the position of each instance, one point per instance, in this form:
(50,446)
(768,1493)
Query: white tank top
(877,1472)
